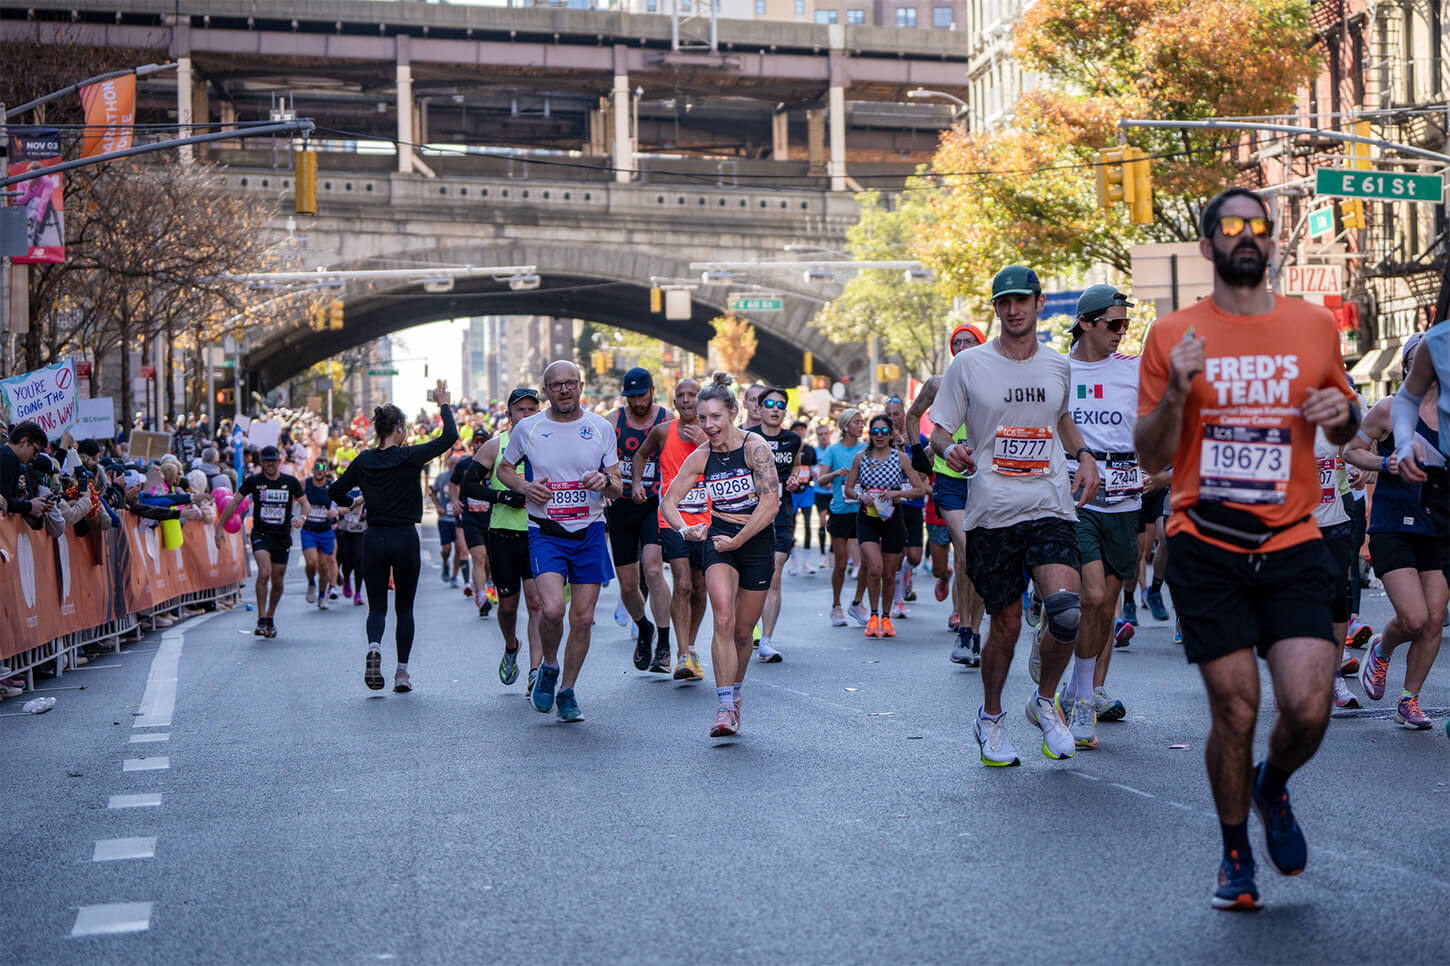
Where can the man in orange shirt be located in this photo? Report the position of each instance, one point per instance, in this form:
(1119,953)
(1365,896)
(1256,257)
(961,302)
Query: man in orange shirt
(1230,392)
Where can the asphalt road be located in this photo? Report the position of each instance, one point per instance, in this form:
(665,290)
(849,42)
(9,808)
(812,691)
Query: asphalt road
(303,818)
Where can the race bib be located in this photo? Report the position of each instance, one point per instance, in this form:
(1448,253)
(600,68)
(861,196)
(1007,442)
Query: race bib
(1122,481)
(647,475)
(568,501)
(1023,451)
(732,492)
(697,500)
(477,506)
(316,514)
(1244,464)
(273,513)
(1328,484)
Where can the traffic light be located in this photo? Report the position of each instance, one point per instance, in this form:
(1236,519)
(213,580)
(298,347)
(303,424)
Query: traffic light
(334,314)
(807,363)
(1112,180)
(1138,177)
(317,316)
(1351,212)
(656,299)
(306,183)
(226,397)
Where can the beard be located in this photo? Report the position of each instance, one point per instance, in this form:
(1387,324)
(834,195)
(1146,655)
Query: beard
(1241,272)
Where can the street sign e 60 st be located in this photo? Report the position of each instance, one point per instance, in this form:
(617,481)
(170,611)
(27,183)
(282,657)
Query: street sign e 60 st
(1379,185)
(742,303)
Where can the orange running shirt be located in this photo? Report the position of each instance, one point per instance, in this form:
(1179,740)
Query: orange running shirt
(1244,443)
(695,507)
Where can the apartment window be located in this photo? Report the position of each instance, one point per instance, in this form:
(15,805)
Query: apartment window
(651,6)
(800,8)
(826,16)
(906,16)
(760,8)
(941,18)
(856,16)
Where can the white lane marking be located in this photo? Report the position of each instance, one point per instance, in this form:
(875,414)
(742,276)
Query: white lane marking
(146,800)
(95,667)
(149,739)
(111,918)
(156,763)
(159,700)
(115,850)
(1186,808)
(1135,791)
(1083,774)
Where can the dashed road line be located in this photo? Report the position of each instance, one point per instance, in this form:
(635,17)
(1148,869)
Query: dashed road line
(146,800)
(116,850)
(146,739)
(156,763)
(110,918)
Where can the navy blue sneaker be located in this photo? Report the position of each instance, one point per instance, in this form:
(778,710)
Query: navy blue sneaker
(543,696)
(1130,611)
(568,707)
(1236,890)
(1287,849)
(1154,600)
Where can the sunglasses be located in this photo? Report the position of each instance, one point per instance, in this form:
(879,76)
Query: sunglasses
(881,431)
(772,403)
(1231,226)
(1114,325)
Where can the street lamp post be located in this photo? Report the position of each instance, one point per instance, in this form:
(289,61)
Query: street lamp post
(959,113)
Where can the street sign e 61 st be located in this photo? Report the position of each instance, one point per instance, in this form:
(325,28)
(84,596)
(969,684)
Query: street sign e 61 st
(1379,185)
(1314,280)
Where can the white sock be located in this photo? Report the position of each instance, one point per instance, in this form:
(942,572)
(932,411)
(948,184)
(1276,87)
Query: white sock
(375,647)
(726,696)
(982,713)
(765,640)
(1082,676)
(735,692)
(403,667)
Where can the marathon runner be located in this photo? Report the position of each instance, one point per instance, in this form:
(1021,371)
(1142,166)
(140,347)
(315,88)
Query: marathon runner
(634,536)
(1431,371)
(319,544)
(801,504)
(570,468)
(913,512)
(881,478)
(388,478)
(835,465)
(673,442)
(1104,407)
(739,475)
(279,506)
(1012,399)
(949,496)
(821,493)
(350,529)
(447,524)
(752,404)
(785,451)
(1405,546)
(1230,393)
(1337,532)
(508,543)
(473,517)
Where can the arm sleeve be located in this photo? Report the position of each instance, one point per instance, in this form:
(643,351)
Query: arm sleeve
(1404,412)
(438,445)
(337,492)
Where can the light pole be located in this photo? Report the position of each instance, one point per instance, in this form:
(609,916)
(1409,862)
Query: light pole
(959,113)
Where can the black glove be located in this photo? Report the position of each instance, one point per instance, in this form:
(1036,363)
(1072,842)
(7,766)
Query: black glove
(919,460)
(507,498)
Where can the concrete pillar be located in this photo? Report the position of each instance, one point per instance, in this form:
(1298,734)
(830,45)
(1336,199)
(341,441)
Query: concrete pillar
(228,115)
(623,136)
(596,147)
(420,120)
(405,108)
(184,103)
(816,141)
(200,110)
(780,135)
(836,102)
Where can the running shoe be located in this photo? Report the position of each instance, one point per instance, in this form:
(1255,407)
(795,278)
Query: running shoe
(1057,741)
(1154,600)
(1343,697)
(261,628)
(357,598)
(453,581)
(1282,837)
(529,689)
(1350,666)
(373,669)
(332,592)
(898,610)
(311,593)
(569,708)
(1408,713)
(1122,633)
(1034,660)
(1236,889)
(727,722)
(962,653)
(508,666)
(1372,674)
(769,655)
(483,609)
(661,662)
(954,622)
(1178,630)
(992,742)
(873,626)
(908,587)
(347,586)
(643,643)
(858,613)
(688,667)
(490,593)
(1359,633)
(1084,722)
(467,590)
(322,601)
(755,635)
(544,684)
(271,627)
(1108,707)
(1031,607)
(621,615)
(402,684)
(838,616)
(943,586)
(1130,612)
(886,629)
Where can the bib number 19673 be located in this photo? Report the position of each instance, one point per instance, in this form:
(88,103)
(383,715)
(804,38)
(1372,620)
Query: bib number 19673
(1244,464)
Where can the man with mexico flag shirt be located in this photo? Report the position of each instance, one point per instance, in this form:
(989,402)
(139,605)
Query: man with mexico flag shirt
(1231,390)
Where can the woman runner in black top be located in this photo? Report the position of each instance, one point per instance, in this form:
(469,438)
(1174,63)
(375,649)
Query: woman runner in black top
(388,479)
(740,477)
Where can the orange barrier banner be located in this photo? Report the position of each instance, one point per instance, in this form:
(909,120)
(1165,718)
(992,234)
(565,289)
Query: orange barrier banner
(51,587)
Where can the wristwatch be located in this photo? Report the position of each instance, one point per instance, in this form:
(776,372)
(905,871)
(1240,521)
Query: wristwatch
(1077,453)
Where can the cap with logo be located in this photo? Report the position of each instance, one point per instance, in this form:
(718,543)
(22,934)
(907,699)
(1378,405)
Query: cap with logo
(269,453)
(1015,280)
(1100,298)
(523,392)
(637,382)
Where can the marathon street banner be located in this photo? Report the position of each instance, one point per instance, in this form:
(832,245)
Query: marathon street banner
(110,111)
(46,396)
(42,198)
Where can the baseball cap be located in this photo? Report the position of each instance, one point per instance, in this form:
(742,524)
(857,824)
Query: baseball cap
(523,392)
(269,453)
(637,382)
(1100,298)
(1015,280)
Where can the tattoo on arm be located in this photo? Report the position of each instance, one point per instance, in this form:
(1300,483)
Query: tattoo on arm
(762,465)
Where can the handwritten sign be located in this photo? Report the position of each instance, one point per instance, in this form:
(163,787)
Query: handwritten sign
(45,396)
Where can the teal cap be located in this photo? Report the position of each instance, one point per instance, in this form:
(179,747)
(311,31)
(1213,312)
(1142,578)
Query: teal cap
(1015,280)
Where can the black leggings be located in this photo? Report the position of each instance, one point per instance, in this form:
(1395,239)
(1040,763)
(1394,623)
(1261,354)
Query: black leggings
(1355,509)
(349,554)
(391,551)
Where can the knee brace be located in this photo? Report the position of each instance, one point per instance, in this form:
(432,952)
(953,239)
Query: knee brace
(1064,612)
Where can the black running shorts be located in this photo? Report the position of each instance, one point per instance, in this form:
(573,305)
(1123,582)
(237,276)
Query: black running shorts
(631,526)
(913,518)
(275,544)
(1339,544)
(1392,550)
(889,533)
(754,562)
(508,560)
(676,547)
(842,526)
(1000,558)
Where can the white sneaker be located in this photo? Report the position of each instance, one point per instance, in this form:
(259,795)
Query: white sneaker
(311,594)
(1084,722)
(768,655)
(898,610)
(858,613)
(322,601)
(992,741)
(1034,660)
(1057,741)
(621,616)
(838,616)
(1343,697)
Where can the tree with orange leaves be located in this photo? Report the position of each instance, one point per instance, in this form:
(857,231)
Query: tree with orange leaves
(734,343)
